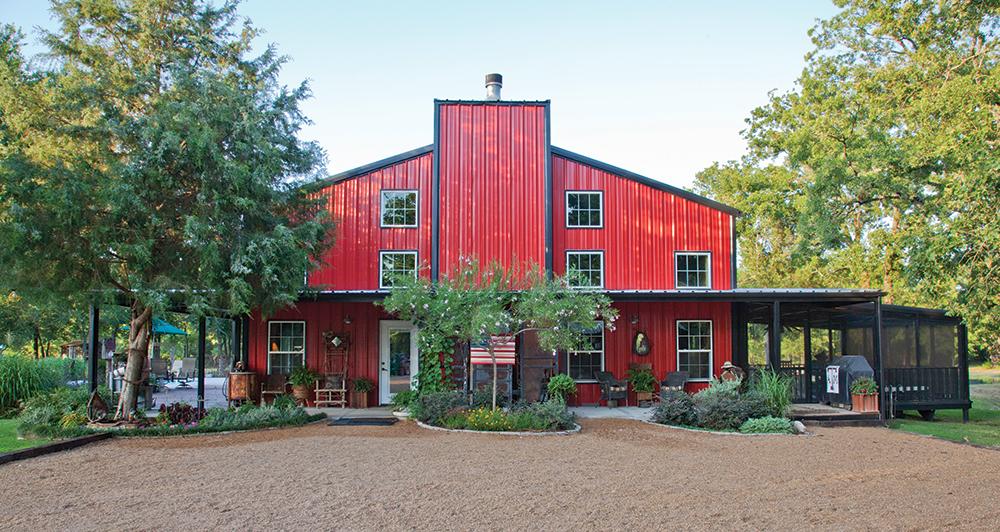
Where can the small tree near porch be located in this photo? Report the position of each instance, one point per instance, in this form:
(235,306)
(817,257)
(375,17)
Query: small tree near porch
(493,306)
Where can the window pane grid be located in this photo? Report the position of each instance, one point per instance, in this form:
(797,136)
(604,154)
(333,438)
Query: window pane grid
(582,365)
(399,208)
(583,209)
(585,269)
(286,347)
(395,264)
(694,348)
(692,270)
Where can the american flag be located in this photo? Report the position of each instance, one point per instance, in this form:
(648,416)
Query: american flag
(504,351)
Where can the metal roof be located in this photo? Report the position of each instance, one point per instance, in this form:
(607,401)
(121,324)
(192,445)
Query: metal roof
(370,167)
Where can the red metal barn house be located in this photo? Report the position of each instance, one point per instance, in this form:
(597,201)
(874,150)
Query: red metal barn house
(492,185)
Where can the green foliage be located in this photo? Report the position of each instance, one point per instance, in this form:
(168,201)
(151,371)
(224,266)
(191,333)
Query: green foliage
(483,397)
(775,389)
(721,387)
(864,386)
(177,414)
(43,415)
(720,411)
(302,376)
(675,408)
(363,385)
(641,380)
(766,425)
(433,406)
(402,400)
(488,419)
(880,169)
(281,402)
(548,415)
(20,378)
(493,305)
(562,386)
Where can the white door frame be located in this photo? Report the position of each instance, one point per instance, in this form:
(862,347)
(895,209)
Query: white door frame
(384,326)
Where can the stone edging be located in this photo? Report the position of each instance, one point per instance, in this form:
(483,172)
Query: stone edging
(576,428)
(721,433)
(54,447)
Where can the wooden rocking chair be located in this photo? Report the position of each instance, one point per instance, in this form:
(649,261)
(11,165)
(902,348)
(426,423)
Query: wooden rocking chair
(331,390)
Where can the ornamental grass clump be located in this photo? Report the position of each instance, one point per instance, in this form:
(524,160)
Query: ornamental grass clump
(775,389)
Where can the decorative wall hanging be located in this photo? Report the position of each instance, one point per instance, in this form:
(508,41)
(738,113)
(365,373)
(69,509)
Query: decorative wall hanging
(640,344)
(336,340)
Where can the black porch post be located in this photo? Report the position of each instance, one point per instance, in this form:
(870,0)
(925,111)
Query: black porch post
(774,338)
(963,364)
(807,349)
(94,340)
(236,337)
(877,356)
(201,363)
(245,348)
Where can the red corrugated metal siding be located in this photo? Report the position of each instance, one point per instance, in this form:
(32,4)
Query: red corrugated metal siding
(352,262)
(643,227)
(324,316)
(492,183)
(658,320)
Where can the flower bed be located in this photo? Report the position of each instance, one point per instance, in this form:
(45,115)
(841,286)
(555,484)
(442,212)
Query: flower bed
(61,414)
(451,410)
(759,407)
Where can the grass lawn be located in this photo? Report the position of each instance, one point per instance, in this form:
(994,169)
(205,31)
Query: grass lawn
(983,427)
(8,437)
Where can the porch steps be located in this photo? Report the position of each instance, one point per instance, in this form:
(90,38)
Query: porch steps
(828,416)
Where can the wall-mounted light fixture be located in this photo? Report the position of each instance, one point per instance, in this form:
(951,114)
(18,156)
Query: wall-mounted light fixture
(635,319)
(347,319)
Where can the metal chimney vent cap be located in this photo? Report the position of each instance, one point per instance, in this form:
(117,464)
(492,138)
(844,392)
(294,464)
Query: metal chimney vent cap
(494,82)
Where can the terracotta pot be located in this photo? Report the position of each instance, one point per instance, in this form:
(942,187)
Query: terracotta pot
(301,394)
(864,403)
(643,397)
(359,399)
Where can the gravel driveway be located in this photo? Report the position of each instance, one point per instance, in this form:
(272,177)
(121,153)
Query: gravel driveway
(615,474)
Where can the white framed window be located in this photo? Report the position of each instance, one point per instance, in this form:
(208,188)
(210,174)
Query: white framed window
(286,346)
(583,363)
(585,269)
(693,269)
(392,264)
(584,208)
(694,348)
(399,208)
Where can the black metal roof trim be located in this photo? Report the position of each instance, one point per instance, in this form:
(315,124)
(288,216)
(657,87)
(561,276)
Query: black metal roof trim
(645,180)
(892,311)
(371,167)
(494,102)
(749,295)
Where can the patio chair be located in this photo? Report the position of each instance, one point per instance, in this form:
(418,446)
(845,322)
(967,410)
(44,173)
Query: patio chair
(675,381)
(273,386)
(331,390)
(612,389)
(160,369)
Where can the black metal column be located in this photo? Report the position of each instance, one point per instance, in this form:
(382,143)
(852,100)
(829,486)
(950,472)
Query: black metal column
(963,364)
(877,356)
(93,345)
(236,341)
(201,363)
(807,351)
(774,337)
(245,349)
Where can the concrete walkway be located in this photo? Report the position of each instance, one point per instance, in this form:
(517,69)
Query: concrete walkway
(621,412)
(381,412)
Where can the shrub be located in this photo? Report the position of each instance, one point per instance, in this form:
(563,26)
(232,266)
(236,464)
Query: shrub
(547,415)
(721,387)
(642,380)
(765,425)
(281,402)
(177,414)
(302,376)
(402,400)
(73,419)
(488,419)
(432,407)
(720,411)
(757,404)
(775,389)
(43,414)
(561,386)
(675,408)
(457,420)
(864,386)
(483,397)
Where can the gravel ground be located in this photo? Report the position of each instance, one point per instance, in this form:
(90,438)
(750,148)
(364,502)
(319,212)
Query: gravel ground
(615,474)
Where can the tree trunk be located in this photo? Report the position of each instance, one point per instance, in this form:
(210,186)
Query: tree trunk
(37,337)
(138,351)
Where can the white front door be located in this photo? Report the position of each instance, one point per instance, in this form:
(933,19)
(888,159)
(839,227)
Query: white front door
(398,358)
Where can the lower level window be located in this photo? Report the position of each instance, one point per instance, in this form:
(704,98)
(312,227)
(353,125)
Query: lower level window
(694,348)
(582,364)
(286,346)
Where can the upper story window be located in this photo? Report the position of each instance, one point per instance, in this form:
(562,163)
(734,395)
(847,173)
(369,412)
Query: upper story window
(584,208)
(693,269)
(583,363)
(392,264)
(399,208)
(585,269)
(286,346)
(694,348)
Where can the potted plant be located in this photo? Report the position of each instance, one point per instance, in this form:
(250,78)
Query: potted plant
(561,385)
(302,380)
(864,395)
(643,382)
(359,398)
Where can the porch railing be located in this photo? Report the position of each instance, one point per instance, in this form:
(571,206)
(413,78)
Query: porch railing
(913,387)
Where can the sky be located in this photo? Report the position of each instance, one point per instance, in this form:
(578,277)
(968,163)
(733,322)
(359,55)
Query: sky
(659,88)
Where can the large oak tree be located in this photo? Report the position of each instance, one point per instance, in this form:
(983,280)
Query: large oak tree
(150,158)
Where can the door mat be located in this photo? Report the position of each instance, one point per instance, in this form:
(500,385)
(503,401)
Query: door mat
(365,421)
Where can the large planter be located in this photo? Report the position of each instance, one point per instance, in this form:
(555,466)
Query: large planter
(359,399)
(864,403)
(301,394)
(643,397)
